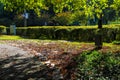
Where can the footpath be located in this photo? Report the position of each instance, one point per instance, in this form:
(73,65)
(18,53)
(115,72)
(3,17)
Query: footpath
(20,60)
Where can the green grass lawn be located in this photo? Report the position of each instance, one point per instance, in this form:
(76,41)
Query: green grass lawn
(112,47)
(9,37)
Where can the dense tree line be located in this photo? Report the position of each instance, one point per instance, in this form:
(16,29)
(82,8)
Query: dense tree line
(59,12)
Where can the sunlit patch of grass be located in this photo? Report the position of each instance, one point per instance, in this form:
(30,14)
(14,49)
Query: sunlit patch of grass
(107,44)
(61,43)
(74,44)
(9,37)
(113,47)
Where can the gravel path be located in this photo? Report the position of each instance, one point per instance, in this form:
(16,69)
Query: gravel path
(7,51)
(17,64)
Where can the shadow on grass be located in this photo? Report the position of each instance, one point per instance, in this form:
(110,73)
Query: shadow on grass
(16,68)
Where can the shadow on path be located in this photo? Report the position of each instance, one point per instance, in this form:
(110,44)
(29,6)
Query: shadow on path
(17,68)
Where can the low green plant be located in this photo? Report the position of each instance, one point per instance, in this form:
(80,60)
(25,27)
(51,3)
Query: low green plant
(116,42)
(98,66)
(1,29)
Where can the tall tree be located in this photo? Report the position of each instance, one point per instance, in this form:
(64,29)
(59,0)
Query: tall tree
(116,7)
(1,8)
(18,6)
(97,7)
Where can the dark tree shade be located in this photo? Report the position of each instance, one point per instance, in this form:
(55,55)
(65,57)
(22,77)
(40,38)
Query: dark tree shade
(98,37)
(100,22)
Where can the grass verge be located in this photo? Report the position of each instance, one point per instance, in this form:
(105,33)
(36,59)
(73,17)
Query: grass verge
(9,37)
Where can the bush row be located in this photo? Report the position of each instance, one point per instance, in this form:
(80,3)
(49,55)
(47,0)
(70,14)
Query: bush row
(68,33)
(2,28)
(98,66)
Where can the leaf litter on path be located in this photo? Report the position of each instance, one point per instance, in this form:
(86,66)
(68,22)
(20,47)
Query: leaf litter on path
(53,54)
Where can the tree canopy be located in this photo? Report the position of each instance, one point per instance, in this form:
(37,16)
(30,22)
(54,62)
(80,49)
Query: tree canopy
(18,6)
(89,10)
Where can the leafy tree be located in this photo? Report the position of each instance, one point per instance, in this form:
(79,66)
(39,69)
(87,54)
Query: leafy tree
(18,6)
(97,7)
(1,8)
(89,9)
(116,7)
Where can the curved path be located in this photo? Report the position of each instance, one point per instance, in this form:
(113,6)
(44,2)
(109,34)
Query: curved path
(17,64)
(7,51)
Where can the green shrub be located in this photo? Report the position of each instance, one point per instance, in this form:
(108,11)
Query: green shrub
(76,33)
(64,18)
(98,66)
(62,34)
(5,21)
(2,28)
(116,42)
(79,18)
(109,34)
(118,34)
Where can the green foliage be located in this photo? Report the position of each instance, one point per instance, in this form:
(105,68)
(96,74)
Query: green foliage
(62,34)
(76,33)
(79,18)
(5,21)
(63,18)
(116,6)
(2,29)
(65,12)
(98,66)
(18,6)
(116,42)
(1,8)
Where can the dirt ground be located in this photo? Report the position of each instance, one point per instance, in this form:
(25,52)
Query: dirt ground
(27,60)
(7,51)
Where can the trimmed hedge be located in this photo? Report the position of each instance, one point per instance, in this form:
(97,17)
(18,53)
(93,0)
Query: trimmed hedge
(2,29)
(76,33)
(116,42)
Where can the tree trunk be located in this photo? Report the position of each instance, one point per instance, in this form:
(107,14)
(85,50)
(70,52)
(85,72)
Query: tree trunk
(98,35)
(100,22)
(98,41)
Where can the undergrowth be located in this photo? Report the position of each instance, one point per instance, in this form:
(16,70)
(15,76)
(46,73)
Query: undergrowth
(98,66)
